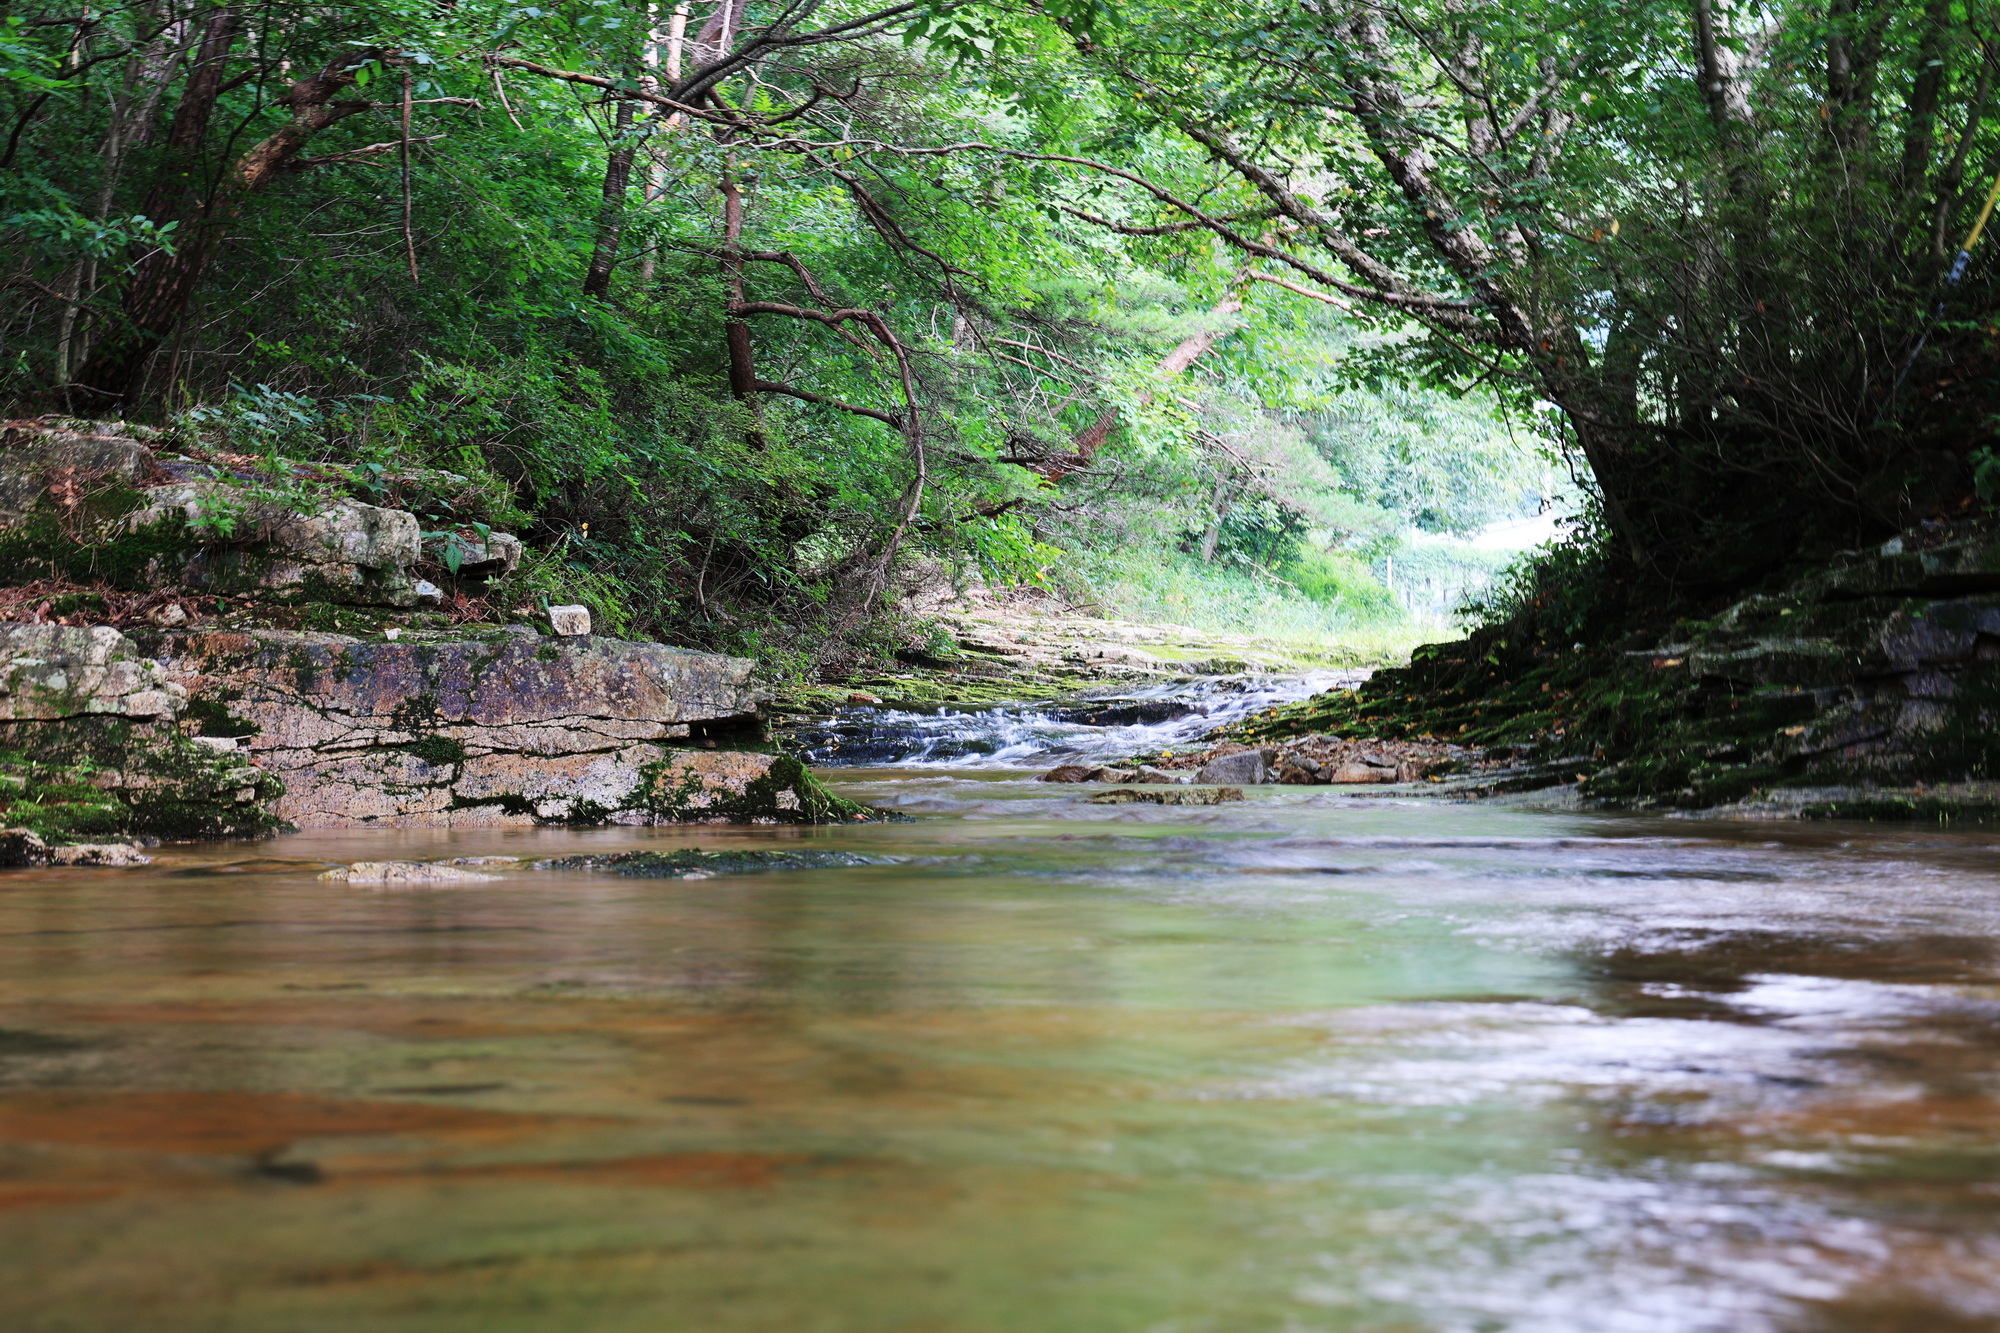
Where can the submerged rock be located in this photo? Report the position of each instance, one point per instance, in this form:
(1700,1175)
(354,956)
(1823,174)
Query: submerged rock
(691,863)
(1181,796)
(405,872)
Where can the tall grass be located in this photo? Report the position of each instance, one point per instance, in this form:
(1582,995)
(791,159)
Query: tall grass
(1324,607)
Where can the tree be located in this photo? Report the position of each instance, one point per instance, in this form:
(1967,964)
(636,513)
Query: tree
(1711,236)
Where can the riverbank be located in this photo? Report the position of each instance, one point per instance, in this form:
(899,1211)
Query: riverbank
(1864,687)
(191,647)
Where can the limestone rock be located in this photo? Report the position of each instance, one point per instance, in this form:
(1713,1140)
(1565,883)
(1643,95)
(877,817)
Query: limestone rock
(405,872)
(59,671)
(1246,768)
(509,728)
(569,621)
(343,551)
(493,556)
(22,847)
(98,854)
(35,454)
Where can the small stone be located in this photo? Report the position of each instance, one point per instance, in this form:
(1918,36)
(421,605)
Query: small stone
(1068,773)
(863,699)
(1247,768)
(1351,773)
(1147,773)
(570,621)
(98,854)
(429,593)
(392,634)
(1297,770)
(168,616)
(403,872)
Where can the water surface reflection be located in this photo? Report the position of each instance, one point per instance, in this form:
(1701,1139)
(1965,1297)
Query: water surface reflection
(1310,1062)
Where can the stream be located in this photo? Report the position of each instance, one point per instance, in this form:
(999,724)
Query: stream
(1315,1061)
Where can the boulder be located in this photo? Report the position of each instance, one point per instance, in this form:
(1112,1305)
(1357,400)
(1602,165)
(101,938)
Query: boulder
(343,551)
(495,555)
(49,672)
(1245,768)
(37,454)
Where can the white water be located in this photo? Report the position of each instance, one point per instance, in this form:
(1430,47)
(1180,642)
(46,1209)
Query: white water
(1102,726)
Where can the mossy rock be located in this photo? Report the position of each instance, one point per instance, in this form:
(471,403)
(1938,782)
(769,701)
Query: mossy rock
(89,778)
(691,863)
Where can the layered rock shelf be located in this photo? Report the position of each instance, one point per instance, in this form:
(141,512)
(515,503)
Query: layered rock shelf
(181,725)
(216,733)
(508,728)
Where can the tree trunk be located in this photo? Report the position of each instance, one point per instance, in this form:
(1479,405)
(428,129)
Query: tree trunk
(611,213)
(163,284)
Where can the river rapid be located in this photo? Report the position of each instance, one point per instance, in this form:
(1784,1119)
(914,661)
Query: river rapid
(1316,1061)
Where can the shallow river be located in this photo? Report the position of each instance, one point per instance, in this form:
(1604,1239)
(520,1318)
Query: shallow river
(1311,1062)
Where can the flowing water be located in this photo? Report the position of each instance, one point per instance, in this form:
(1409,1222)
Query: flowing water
(1107,726)
(1311,1062)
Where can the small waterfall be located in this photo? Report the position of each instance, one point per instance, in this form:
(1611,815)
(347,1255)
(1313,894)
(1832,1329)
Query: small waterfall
(1098,727)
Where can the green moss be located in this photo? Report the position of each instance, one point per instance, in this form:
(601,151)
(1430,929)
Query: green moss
(509,803)
(1906,808)
(91,778)
(670,791)
(437,750)
(418,713)
(692,863)
(211,716)
(91,542)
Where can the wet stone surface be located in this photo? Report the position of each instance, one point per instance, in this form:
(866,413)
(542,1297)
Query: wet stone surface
(690,862)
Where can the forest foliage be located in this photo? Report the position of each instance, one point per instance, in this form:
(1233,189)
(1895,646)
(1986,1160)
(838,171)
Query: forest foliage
(749,311)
